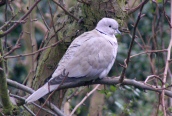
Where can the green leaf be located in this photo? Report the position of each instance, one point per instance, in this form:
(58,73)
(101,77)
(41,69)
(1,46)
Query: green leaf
(113,88)
(1,32)
(159,1)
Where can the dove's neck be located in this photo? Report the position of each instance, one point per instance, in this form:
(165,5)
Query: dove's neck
(104,31)
(101,32)
(108,36)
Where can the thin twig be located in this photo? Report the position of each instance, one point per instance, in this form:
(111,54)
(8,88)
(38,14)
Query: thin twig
(82,101)
(144,47)
(46,101)
(16,46)
(42,49)
(28,54)
(75,93)
(23,99)
(52,21)
(43,109)
(148,51)
(166,16)
(153,76)
(30,111)
(132,41)
(167,66)
(30,90)
(8,22)
(22,18)
(43,18)
(136,8)
(68,13)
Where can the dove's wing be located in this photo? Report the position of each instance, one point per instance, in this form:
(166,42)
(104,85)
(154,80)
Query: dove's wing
(88,56)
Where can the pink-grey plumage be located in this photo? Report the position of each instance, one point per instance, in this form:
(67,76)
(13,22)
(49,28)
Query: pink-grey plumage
(90,56)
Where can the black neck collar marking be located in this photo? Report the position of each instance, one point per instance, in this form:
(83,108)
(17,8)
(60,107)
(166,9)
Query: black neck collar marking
(101,32)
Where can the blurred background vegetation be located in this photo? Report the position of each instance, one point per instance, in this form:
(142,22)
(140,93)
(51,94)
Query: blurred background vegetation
(153,33)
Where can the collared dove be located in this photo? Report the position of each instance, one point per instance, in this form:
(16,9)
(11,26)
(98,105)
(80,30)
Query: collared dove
(90,56)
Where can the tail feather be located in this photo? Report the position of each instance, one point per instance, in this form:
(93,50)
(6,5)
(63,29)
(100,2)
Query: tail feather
(41,92)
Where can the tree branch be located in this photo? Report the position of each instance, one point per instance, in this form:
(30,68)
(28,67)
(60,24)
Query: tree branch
(23,99)
(7,105)
(107,81)
(29,90)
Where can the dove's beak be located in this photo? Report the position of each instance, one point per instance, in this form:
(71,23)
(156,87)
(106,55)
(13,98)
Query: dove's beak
(118,31)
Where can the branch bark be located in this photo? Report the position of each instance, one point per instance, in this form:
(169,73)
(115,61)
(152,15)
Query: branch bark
(167,66)
(107,81)
(7,106)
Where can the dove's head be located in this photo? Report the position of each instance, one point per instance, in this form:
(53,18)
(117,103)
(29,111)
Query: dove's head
(108,26)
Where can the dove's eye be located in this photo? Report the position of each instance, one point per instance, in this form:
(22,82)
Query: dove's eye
(110,26)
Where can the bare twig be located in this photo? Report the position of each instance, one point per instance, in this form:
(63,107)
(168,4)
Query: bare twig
(144,47)
(42,49)
(28,54)
(75,93)
(43,18)
(23,99)
(29,90)
(136,8)
(68,13)
(62,82)
(22,18)
(16,46)
(153,76)
(30,111)
(166,67)
(81,102)
(132,41)
(166,16)
(52,21)
(148,51)
(8,22)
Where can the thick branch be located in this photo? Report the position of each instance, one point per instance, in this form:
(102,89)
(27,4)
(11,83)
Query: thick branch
(7,106)
(107,81)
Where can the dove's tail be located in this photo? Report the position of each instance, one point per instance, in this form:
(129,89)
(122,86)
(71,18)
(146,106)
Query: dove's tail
(41,92)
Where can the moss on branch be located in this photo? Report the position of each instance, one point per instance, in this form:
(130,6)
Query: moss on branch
(7,105)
